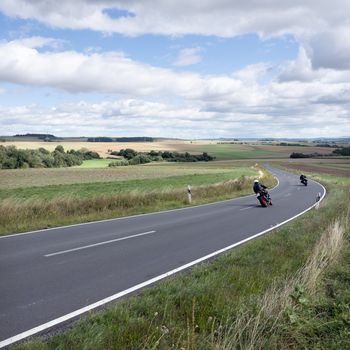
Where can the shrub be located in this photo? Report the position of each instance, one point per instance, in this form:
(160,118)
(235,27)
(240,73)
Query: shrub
(127,153)
(140,159)
(59,149)
(343,151)
(122,162)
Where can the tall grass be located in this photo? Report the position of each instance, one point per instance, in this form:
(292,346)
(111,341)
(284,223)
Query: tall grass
(255,329)
(18,215)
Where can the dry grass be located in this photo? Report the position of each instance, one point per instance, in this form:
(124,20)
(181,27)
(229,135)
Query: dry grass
(17,215)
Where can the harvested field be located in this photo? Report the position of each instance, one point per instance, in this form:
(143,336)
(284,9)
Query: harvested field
(335,167)
(102,147)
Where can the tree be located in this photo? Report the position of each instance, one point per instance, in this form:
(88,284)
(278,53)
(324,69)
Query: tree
(128,153)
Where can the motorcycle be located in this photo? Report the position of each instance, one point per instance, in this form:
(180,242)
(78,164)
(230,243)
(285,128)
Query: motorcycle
(304,181)
(264,198)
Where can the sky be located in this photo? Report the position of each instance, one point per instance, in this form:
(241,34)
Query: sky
(185,69)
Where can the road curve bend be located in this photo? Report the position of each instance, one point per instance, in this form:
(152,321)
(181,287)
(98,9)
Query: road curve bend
(51,276)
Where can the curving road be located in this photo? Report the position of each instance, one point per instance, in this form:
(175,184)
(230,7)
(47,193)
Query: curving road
(50,276)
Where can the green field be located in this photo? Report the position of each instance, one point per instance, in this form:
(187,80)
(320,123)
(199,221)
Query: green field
(95,163)
(96,189)
(237,151)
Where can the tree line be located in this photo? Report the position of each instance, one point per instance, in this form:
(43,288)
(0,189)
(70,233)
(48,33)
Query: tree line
(132,157)
(340,151)
(14,158)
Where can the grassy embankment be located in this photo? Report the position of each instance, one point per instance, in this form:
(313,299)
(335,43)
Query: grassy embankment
(286,290)
(28,208)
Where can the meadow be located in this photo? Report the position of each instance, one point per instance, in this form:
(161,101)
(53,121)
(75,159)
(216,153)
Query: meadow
(286,290)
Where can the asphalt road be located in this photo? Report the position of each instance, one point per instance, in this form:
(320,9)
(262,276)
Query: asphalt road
(48,274)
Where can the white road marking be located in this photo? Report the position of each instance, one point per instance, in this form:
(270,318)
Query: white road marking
(246,208)
(97,244)
(288,194)
(99,303)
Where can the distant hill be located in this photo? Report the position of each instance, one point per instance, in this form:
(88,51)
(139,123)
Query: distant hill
(120,139)
(38,136)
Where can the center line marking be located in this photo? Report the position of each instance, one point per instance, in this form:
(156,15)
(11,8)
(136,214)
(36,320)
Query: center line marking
(246,208)
(97,244)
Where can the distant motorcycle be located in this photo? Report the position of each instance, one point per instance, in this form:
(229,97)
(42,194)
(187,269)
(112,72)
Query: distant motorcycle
(303,180)
(264,198)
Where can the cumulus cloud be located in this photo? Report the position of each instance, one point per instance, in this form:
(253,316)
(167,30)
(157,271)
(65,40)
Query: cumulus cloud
(283,111)
(110,72)
(299,98)
(21,62)
(322,27)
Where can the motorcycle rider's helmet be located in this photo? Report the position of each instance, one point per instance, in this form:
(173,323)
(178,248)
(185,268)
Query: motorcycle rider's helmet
(255,181)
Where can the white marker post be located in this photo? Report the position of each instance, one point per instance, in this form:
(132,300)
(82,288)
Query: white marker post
(318,197)
(189,194)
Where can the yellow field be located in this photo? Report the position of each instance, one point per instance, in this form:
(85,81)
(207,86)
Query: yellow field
(103,147)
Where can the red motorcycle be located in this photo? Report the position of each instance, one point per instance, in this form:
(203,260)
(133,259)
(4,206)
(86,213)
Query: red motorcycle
(264,198)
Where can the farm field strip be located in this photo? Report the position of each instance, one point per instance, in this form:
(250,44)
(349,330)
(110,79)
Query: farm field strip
(157,184)
(20,178)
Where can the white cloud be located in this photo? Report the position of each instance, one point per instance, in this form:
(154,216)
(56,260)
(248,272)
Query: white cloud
(298,101)
(287,110)
(252,72)
(21,62)
(321,26)
(188,56)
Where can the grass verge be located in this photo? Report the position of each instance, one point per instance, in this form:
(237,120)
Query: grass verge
(27,210)
(259,296)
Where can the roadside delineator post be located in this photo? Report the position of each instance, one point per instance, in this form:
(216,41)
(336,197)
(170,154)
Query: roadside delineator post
(318,197)
(189,194)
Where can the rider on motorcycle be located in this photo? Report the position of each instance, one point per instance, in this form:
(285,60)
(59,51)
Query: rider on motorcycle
(302,177)
(258,187)
(261,189)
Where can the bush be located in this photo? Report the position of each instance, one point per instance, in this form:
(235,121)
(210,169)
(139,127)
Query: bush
(85,154)
(59,149)
(299,155)
(127,153)
(158,156)
(122,162)
(140,159)
(343,151)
